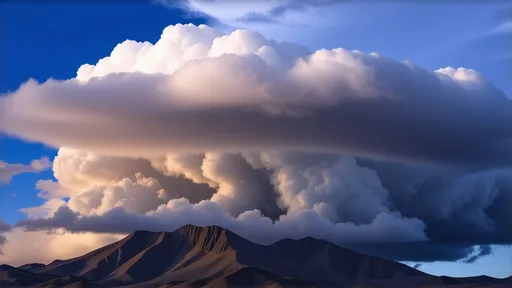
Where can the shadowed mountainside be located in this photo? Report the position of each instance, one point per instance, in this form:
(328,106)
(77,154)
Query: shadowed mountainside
(211,256)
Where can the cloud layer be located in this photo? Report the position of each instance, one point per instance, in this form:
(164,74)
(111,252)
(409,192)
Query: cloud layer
(254,93)
(272,141)
(399,211)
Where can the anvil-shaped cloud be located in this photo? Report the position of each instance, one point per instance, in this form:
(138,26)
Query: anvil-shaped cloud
(268,138)
(197,90)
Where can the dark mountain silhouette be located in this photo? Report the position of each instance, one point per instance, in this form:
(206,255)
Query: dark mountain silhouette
(31,266)
(214,257)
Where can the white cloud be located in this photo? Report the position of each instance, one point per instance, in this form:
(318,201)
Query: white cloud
(47,209)
(138,196)
(343,192)
(240,131)
(350,193)
(318,194)
(252,95)
(96,183)
(7,170)
(188,165)
(321,195)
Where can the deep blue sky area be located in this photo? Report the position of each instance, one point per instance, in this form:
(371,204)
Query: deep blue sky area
(51,40)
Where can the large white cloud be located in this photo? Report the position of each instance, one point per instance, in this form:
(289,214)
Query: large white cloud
(343,196)
(96,183)
(242,92)
(172,133)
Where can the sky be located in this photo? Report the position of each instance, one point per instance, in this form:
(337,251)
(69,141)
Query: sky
(404,144)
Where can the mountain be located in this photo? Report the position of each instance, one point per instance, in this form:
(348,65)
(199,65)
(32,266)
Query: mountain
(214,257)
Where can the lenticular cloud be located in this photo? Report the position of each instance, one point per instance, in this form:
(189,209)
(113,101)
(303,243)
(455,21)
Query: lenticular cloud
(272,141)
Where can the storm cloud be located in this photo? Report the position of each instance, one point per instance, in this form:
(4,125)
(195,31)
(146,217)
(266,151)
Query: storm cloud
(272,141)
(399,211)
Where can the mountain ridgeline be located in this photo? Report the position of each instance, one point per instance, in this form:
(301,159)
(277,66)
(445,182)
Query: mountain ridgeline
(193,256)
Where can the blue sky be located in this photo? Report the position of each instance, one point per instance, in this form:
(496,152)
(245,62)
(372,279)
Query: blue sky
(66,36)
(53,39)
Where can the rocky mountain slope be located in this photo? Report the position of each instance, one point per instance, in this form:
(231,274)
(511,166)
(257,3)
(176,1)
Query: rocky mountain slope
(211,256)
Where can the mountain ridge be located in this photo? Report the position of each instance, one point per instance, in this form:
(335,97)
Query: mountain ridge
(211,256)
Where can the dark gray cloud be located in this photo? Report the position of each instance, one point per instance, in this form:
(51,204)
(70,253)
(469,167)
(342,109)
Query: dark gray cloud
(457,209)
(457,205)
(4,227)
(482,250)
(249,225)
(3,239)
(417,251)
(119,221)
(241,187)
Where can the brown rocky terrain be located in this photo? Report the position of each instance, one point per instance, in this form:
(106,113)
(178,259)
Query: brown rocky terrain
(211,256)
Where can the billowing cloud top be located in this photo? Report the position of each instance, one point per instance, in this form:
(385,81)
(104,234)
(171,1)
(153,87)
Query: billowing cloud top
(198,90)
(272,140)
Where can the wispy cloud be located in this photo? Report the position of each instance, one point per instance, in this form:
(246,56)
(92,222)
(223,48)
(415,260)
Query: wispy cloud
(7,170)
(503,28)
(482,250)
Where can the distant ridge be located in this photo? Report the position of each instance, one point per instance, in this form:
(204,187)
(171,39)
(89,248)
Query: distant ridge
(211,256)
(31,266)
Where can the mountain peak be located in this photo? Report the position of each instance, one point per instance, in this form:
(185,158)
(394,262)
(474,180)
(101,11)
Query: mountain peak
(196,256)
(209,238)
